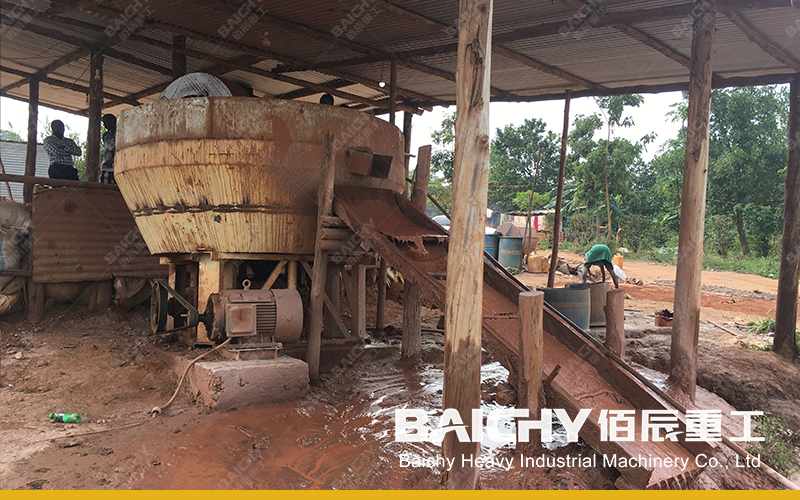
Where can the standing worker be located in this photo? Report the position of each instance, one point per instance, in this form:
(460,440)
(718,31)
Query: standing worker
(598,255)
(61,149)
(109,147)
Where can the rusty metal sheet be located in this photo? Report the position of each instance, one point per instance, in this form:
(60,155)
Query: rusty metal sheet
(87,235)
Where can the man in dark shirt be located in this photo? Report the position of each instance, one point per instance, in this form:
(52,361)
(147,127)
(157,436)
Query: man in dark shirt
(109,149)
(61,149)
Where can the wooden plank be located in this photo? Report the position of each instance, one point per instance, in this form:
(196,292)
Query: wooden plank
(44,181)
(615,321)
(562,168)
(380,312)
(686,325)
(273,276)
(359,304)
(464,295)
(332,287)
(422,175)
(529,372)
(30,152)
(178,59)
(35,302)
(786,308)
(325,202)
(412,321)
(67,59)
(93,138)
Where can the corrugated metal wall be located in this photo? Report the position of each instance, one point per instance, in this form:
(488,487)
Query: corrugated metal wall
(87,235)
(13,156)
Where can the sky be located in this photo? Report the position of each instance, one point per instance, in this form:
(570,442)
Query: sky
(649,117)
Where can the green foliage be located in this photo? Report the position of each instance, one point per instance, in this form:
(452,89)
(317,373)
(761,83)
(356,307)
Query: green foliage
(720,234)
(640,232)
(513,270)
(762,325)
(10,134)
(444,139)
(442,193)
(777,450)
(539,200)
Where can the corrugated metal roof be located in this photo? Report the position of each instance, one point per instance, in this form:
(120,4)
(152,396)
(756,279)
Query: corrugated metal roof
(304,32)
(87,235)
(13,155)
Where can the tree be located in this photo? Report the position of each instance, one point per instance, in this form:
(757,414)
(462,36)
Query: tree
(443,154)
(612,108)
(747,158)
(515,150)
(10,134)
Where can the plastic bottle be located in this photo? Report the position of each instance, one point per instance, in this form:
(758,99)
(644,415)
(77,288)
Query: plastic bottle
(66,418)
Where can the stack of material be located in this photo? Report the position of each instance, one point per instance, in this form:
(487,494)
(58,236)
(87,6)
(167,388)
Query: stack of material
(15,223)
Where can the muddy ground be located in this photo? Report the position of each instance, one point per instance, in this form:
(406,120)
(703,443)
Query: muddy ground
(105,365)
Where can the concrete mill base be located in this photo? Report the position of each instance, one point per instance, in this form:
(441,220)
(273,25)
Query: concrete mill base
(229,384)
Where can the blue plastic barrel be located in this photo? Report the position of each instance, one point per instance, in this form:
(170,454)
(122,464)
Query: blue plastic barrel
(574,303)
(597,292)
(491,243)
(510,251)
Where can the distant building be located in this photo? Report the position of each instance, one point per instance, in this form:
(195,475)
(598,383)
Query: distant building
(13,155)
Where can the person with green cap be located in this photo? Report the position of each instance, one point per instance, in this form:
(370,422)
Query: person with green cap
(598,255)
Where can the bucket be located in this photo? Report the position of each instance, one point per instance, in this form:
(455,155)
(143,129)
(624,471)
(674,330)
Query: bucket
(491,243)
(538,264)
(510,250)
(574,303)
(597,293)
(617,260)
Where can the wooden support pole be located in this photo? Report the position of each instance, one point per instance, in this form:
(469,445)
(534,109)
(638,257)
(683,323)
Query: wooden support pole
(615,321)
(332,288)
(291,275)
(406,143)
(320,271)
(393,91)
(273,276)
(359,302)
(380,313)
(33,122)
(95,115)
(786,311)
(529,379)
(422,176)
(35,302)
(464,296)
(562,168)
(686,323)
(178,58)
(412,321)
(412,296)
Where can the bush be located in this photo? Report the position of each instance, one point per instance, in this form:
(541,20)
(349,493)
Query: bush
(642,233)
(720,234)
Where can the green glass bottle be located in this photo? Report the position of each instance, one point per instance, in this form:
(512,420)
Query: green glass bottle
(66,418)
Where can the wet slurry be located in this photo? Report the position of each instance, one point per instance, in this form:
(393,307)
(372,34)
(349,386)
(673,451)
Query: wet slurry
(340,437)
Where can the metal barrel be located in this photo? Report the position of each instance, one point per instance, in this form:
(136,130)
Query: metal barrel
(574,303)
(597,293)
(510,251)
(491,244)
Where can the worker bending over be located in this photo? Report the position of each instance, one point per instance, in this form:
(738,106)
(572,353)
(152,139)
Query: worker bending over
(598,255)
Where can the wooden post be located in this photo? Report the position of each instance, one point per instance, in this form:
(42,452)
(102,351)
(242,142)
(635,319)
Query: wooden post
(686,322)
(412,296)
(562,167)
(320,271)
(786,311)
(35,302)
(359,303)
(412,321)
(380,315)
(30,155)
(332,288)
(95,114)
(615,321)
(393,91)
(291,275)
(464,296)
(406,145)
(529,379)
(179,58)
(422,176)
